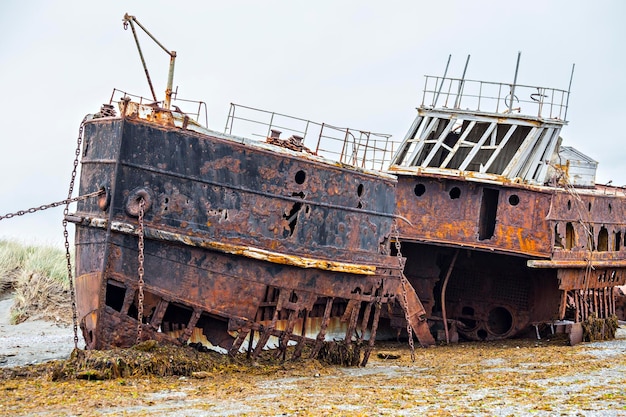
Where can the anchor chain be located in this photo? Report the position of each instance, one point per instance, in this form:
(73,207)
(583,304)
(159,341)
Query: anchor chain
(66,211)
(65,202)
(140,269)
(404,282)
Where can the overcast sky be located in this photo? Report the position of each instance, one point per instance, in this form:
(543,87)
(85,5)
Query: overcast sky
(357,64)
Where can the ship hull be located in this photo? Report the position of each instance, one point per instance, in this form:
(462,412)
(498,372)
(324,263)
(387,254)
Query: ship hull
(213,238)
(222,294)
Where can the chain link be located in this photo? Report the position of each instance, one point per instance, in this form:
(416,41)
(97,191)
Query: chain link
(66,211)
(404,282)
(140,270)
(65,202)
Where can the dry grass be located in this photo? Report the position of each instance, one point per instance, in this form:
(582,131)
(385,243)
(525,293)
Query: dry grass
(37,275)
(12,258)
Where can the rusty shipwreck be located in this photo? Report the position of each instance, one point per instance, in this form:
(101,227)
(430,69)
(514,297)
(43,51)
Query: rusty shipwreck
(242,244)
(479,224)
(507,230)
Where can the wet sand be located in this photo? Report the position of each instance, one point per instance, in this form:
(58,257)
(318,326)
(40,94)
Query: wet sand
(33,341)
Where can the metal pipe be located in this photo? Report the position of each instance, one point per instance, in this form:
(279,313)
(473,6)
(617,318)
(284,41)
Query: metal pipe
(519,54)
(442,80)
(170,81)
(569,87)
(443,295)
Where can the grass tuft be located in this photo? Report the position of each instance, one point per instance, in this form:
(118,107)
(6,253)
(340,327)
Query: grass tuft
(37,275)
(12,258)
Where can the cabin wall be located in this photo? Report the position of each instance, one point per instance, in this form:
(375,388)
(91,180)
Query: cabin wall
(476,215)
(100,150)
(588,223)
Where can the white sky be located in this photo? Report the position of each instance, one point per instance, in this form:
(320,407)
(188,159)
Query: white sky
(357,64)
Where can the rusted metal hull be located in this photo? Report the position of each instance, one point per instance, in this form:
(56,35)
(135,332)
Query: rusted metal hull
(219,293)
(524,255)
(246,246)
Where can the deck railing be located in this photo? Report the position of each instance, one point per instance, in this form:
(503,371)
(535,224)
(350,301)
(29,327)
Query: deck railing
(491,97)
(196,110)
(348,146)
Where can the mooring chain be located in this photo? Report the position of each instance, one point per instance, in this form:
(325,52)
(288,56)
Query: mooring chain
(140,270)
(65,202)
(404,282)
(66,211)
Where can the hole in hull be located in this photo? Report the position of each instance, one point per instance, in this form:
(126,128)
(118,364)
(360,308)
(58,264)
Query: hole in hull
(114,297)
(500,321)
(292,218)
(488,213)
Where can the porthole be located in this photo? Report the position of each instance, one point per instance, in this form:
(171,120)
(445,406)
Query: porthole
(419,190)
(455,193)
(359,190)
(569,204)
(514,200)
(300,177)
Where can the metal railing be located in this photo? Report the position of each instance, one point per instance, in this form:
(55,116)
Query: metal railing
(348,146)
(178,104)
(491,97)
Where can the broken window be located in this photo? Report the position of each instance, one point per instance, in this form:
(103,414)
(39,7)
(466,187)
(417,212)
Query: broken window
(570,236)
(603,240)
(558,242)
